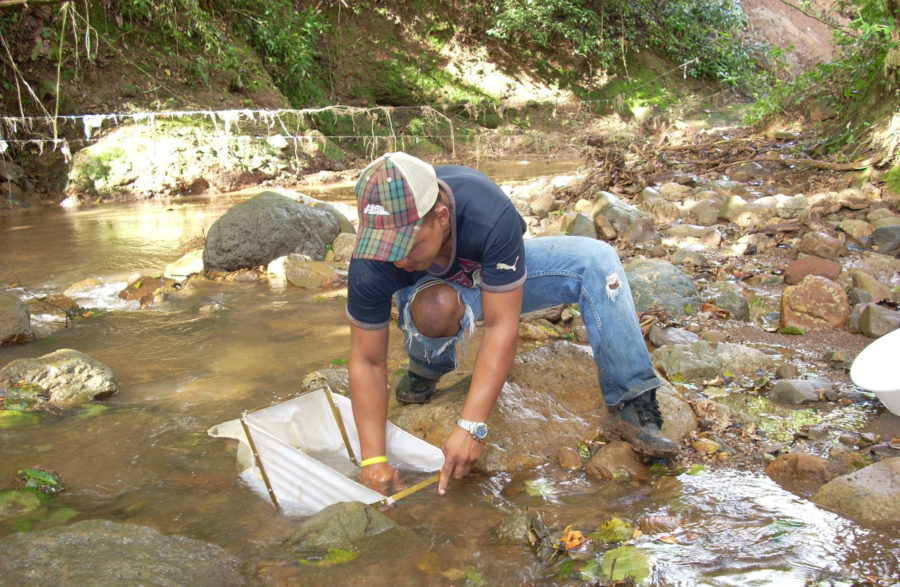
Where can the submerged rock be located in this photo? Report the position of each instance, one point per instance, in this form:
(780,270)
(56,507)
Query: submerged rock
(63,378)
(100,552)
(803,473)
(342,525)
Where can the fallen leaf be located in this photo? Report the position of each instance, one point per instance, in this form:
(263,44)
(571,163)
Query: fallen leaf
(669,539)
(659,523)
(571,538)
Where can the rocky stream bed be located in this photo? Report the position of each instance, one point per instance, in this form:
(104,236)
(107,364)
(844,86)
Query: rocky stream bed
(757,279)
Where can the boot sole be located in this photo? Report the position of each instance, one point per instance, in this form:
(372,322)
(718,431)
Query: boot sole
(641,446)
(420,399)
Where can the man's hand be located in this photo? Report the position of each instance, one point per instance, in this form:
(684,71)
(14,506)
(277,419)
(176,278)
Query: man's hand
(383,478)
(460,453)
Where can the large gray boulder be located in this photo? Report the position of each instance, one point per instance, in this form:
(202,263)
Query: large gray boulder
(703,360)
(15,321)
(63,378)
(100,552)
(659,284)
(266,227)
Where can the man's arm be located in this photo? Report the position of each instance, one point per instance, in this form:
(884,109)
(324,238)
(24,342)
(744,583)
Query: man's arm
(501,312)
(369,394)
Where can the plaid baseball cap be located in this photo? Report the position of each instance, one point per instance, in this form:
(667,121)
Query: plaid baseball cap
(393,195)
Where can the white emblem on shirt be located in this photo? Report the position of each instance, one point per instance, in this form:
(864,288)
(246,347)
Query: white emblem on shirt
(376,209)
(505,267)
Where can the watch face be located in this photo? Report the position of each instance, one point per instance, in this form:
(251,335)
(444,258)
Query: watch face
(480,431)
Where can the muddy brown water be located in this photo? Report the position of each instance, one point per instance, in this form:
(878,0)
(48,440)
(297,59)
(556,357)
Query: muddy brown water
(147,459)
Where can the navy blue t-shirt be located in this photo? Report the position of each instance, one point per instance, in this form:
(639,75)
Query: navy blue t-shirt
(487,249)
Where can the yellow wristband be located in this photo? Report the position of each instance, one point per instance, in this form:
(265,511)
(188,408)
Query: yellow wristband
(373,461)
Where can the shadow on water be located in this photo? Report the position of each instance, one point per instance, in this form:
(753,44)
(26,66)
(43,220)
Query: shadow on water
(145,457)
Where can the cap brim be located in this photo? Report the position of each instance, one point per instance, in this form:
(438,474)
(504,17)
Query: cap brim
(385,244)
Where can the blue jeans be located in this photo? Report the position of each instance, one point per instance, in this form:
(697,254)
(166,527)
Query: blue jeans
(561,270)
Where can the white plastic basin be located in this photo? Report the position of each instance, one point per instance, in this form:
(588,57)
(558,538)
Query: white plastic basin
(877,369)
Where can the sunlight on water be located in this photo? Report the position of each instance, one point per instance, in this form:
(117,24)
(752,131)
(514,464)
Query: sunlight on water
(744,529)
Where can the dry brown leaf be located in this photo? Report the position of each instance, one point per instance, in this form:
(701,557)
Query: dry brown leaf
(659,523)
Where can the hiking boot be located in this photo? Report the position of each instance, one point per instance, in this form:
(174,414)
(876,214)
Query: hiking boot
(639,421)
(415,389)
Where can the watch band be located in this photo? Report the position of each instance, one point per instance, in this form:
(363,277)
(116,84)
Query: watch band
(478,430)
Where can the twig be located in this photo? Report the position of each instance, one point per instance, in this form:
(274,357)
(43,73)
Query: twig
(43,301)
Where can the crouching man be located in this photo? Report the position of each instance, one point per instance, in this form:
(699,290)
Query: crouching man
(447,244)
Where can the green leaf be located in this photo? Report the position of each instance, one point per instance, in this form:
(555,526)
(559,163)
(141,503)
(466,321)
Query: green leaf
(695,469)
(658,469)
(323,558)
(43,481)
(714,391)
(583,450)
(614,530)
(625,561)
(541,488)
(339,361)
(779,527)
(473,577)
(592,571)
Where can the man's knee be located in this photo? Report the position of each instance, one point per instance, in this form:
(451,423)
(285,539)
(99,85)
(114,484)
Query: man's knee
(437,310)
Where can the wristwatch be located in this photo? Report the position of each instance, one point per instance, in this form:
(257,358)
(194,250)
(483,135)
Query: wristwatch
(478,430)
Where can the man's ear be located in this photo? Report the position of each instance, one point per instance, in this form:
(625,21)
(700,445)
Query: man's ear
(442,212)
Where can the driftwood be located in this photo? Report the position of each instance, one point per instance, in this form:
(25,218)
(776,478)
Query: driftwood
(801,161)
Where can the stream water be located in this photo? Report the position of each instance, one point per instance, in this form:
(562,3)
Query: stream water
(147,459)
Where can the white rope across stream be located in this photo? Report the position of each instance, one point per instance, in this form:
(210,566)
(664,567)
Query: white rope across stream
(224,121)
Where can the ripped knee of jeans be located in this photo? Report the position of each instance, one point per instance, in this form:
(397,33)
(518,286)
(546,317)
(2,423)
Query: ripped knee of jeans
(430,347)
(613,286)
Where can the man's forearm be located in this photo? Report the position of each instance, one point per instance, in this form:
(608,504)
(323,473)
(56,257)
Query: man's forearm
(492,365)
(368,392)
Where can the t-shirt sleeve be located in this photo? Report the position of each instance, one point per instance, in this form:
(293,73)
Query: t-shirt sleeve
(503,262)
(370,286)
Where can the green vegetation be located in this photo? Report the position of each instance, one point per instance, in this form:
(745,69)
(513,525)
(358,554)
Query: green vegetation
(288,40)
(298,43)
(860,86)
(707,38)
(621,56)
